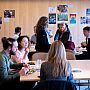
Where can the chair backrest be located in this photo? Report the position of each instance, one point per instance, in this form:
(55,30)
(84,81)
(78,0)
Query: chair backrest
(55,85)
(70,54)
(39,55)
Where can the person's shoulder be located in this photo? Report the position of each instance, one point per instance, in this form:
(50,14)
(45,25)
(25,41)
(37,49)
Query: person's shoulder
(33,36)
(15,36)
(44,63)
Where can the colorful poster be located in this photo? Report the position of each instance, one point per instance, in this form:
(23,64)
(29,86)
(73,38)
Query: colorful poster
(72,18)
(84,20)
(62,8)
(88,12)
(62,17)
(9,14)
(52,18)
(88,20)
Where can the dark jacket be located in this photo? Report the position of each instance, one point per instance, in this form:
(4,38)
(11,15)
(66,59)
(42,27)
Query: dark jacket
(55,85)
(42,44)
(88,46)
(62,36)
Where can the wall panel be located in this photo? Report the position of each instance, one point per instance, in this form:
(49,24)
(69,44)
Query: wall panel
(27,13)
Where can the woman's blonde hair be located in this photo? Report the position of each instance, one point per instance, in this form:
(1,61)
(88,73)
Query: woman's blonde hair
(57,56)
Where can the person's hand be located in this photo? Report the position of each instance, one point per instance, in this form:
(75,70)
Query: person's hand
(26,50)
(26,65)
(83,44)
(22,72)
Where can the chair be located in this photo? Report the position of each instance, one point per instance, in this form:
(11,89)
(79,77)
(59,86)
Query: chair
(39,55)
(70,54)
(54,85)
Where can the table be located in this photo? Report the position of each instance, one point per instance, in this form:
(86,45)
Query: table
(83,65)
(79,50)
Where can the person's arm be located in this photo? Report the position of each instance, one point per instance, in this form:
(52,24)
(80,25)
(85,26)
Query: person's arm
(83,44)
(16,66)
(56,37)
(26,53)
(4,70)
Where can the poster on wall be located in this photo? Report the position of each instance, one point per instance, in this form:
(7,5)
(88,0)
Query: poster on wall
(52,18)
(62,17)
(88,12)
(0,20)
(88,20)
(52,9)
(72,18)
(9,13)
(6,19)
(84,20)
(62,8)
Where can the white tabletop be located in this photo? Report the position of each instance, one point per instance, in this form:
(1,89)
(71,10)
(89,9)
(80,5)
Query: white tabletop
(82,71)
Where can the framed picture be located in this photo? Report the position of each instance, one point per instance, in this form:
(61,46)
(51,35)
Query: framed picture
(9,14)
(72,18)
(52,18)
(62,8)
(88,12)
(62,17)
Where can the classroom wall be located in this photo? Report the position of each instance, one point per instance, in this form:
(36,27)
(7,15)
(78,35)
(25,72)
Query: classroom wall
(27,13)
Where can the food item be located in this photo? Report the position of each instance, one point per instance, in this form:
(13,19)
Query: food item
(31,71)
(31,63)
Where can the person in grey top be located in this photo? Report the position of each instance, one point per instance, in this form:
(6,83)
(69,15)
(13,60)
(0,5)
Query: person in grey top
(57,66)
(33,37)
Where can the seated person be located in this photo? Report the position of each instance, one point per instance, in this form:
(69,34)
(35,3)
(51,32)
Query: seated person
(63,34)
(21,55)
(57,66)
(7,75)
(33,37)
(86,54)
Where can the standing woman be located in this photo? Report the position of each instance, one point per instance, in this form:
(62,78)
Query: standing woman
(43,38)
(57,66)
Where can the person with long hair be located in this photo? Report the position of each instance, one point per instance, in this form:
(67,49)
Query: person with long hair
(43,39)
(57,66)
